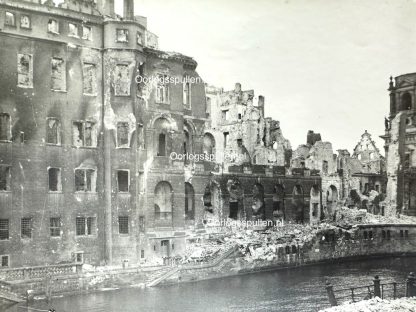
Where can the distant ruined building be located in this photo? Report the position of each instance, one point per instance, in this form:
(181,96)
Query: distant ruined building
(89,165)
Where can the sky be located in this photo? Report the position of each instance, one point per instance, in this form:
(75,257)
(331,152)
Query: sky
(322,65)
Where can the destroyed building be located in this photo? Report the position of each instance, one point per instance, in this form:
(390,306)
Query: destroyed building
(95,127)
(399,137)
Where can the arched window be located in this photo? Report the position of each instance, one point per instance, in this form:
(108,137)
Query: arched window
(406,102)
(186,93)
(162,145)
(163,200)
(209,144)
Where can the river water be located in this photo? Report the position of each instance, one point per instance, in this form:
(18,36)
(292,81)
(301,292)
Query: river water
(299,289)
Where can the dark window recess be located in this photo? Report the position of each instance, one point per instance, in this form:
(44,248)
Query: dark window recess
(10,19)
(54,179)
(55,227)
(406,233)
(226,134)
(4,261)
(26,227)
(142,253)
(84,226)
(123,180)
(123,225)
(162,145)
(401,233)
(85,180)
(122,134)
(5,178)
(5,133)
(58,74)
(4,229)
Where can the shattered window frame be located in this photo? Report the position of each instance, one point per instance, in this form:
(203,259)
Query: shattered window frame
(10,19)
(123,137)
(162,89)
(87,136)
(58,74)
(24,70)
(55,227)
(54,180)
(89,76)
(73,30)
(122,35)
(26,228)
(85,226)
(140,38)
(5,178)
(85,180)
(53,26)
(53,131)
(86,32)
(25,21)
(5,128)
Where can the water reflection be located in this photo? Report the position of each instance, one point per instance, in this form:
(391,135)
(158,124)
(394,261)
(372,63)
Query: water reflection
(300,289)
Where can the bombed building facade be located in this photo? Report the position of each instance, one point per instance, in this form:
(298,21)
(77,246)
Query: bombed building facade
(96,128)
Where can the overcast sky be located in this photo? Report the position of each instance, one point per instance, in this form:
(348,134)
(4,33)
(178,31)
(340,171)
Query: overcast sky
(321,64)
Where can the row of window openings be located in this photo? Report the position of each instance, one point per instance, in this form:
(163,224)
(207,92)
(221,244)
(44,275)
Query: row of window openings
(385,234)
(85,180)
(84,226)
(53,26)
(58,74)
(84,132)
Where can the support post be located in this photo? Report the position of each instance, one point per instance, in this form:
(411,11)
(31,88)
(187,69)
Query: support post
(331,295)
(377,291)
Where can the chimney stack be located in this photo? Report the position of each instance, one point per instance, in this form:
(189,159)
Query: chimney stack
(128,10)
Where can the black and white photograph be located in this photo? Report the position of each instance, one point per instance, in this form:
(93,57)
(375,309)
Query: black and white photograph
(207,155)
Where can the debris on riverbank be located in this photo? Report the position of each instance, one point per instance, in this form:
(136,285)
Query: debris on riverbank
(377,305)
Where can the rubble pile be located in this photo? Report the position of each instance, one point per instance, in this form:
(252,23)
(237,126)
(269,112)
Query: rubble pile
(348,217)
(377,305)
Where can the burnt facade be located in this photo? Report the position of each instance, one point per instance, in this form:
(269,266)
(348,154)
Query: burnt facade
(399,146)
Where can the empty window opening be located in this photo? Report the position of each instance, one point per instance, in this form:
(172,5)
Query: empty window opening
(122,35)
(84,226)
(163,201)
(5,178)
(187,95)
(5,127)
(123,134)
(84,134)
(325,167)
(89,72)
(53,26)
(122,80)
(73,30)
(4,229)
(25,21)
(53,131)
(24,71)
(401,233)
(406,233)
(142,253)
(79,257)
(26,227)
(162,90)
(225,115)
(123,181)
(58,75)
(123,225)
(4,261)
(10,19)
(85,180)
(162,145)
(141,224)
(55,227)
(226,136)
(86,33)
(406,103)
(54,175)
(189,201)
(233,210)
